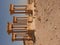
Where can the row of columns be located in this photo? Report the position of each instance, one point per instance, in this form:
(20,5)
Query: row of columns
(22,28)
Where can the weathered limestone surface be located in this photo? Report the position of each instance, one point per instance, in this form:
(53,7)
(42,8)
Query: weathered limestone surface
(48,22)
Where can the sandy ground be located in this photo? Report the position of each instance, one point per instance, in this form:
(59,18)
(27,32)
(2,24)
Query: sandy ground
(48,22)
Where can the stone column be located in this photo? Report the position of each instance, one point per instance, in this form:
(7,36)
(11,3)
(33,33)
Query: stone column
(11,27)
(20,20)
(21,37)
(21,9)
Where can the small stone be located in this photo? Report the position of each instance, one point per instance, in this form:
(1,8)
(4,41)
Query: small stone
(46,19)
(55,27)
(51,39)
(44,9)
(39,18)
(40,44)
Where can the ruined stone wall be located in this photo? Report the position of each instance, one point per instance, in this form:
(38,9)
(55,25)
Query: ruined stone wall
(48,22)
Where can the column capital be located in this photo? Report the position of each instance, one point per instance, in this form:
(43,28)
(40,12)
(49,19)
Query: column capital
(13,36)
(9,28)
(11,8)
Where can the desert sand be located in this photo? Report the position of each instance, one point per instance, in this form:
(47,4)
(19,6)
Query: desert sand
(47,22)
